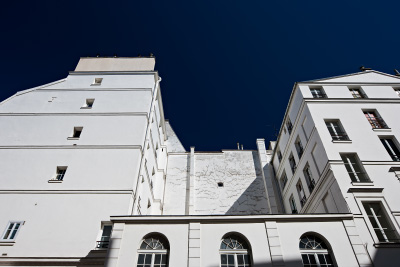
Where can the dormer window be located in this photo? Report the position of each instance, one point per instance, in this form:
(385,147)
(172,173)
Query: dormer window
(97,81)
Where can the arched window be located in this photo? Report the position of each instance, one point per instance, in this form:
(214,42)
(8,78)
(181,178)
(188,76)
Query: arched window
(234,252)
(314,252)
(153,251)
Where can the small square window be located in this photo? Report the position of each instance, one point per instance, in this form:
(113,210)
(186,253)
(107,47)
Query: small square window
(220,184)
(357,93)
(76,134)
(61,170)
(12,229)
(97,81)
(89,102)
(318,92)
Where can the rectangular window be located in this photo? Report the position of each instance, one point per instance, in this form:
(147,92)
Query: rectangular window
(380,222)
(292,204)
(336,130)
(299,147)
(283,180)
(97,81)
(390,144)
(105,237)
(292,163)
(354,168)
(89,102)
(358,93)
(289,126)
(61,170)
(309,179)
(11,231)
(77,132)
(318,93)
(375,120)
(300,191)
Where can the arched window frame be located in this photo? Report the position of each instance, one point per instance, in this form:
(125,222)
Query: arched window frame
(154,254)
(239,252)
(320,251)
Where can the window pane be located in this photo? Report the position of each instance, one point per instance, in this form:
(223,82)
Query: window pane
(240,259)
(312,258)
(148,259)
(14,232)
(157,259)
(304,257)
(224,259)
(231,259)
(246,259)
(141,259)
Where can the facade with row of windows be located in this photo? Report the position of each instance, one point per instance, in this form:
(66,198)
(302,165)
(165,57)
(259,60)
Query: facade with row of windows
(325,193)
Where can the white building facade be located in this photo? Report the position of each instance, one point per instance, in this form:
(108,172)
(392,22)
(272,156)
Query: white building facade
(93,175)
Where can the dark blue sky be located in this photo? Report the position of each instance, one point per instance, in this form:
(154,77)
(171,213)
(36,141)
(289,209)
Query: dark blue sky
(228,67)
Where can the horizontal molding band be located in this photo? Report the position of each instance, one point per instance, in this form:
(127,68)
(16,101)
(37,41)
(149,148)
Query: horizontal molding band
(79,114)
(353,100)
(29,192)
(75,147)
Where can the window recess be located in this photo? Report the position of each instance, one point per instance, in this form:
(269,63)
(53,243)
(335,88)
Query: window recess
(375,120)
(390,145)
(60,173)
(105,237)
(309,179)
(88,103)
(292,163)
(292,204)
(97,81)
(12,230)
(355,169)
(380,222)
(299,147)
(318,92)
(357,93)
(336,130)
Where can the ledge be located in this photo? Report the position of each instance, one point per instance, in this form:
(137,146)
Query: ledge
(381,129)
(86,107)
(387,245)
(55,181)
(73,138)
(7,243)
(364,189)
(363,184)
(342,141)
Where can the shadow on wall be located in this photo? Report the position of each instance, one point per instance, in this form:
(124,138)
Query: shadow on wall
(253,200)
(387,256)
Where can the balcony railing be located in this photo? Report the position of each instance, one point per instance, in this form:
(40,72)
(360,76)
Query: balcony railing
(377,122)
(303,201)
(390,236)
(359,177)
(102,244)
(340,136)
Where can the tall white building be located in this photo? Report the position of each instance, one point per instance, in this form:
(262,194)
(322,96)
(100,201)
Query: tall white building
(93,175)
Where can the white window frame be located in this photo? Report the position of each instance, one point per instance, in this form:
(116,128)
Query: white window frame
(357,92)
(362,198)
(12,229)
(234,253)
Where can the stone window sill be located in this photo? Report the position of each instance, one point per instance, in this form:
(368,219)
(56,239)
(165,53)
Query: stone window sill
(381,129)
(342,141)
(387,245)
(55,181)
(363,183)
(73,138)
(7,243)
(86,107)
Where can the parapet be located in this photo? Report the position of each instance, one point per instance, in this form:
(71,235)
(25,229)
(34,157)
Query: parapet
(116,64)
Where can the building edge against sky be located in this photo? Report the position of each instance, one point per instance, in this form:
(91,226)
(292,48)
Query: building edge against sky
(100,178)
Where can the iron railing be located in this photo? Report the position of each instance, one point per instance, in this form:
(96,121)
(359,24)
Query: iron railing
(340,136)
(319,95)
(377,122)
(102,244)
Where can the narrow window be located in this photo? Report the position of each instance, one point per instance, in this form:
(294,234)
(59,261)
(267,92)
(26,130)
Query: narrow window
(77,132)
(336,130)
(234,252)
(89,102)
(314,252)
(11,231)
(279,156)
(139,208)
(301,193)
(318,93)
(220,184)
(391,147)
(354,168)
(105,237)
(61,170)
(375,120)
(289,126)
(357,93)
(299,147)
(380,222)
(283,180)
(153,252)
(97,81)
(309,179)
(292,163)
(292,204)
